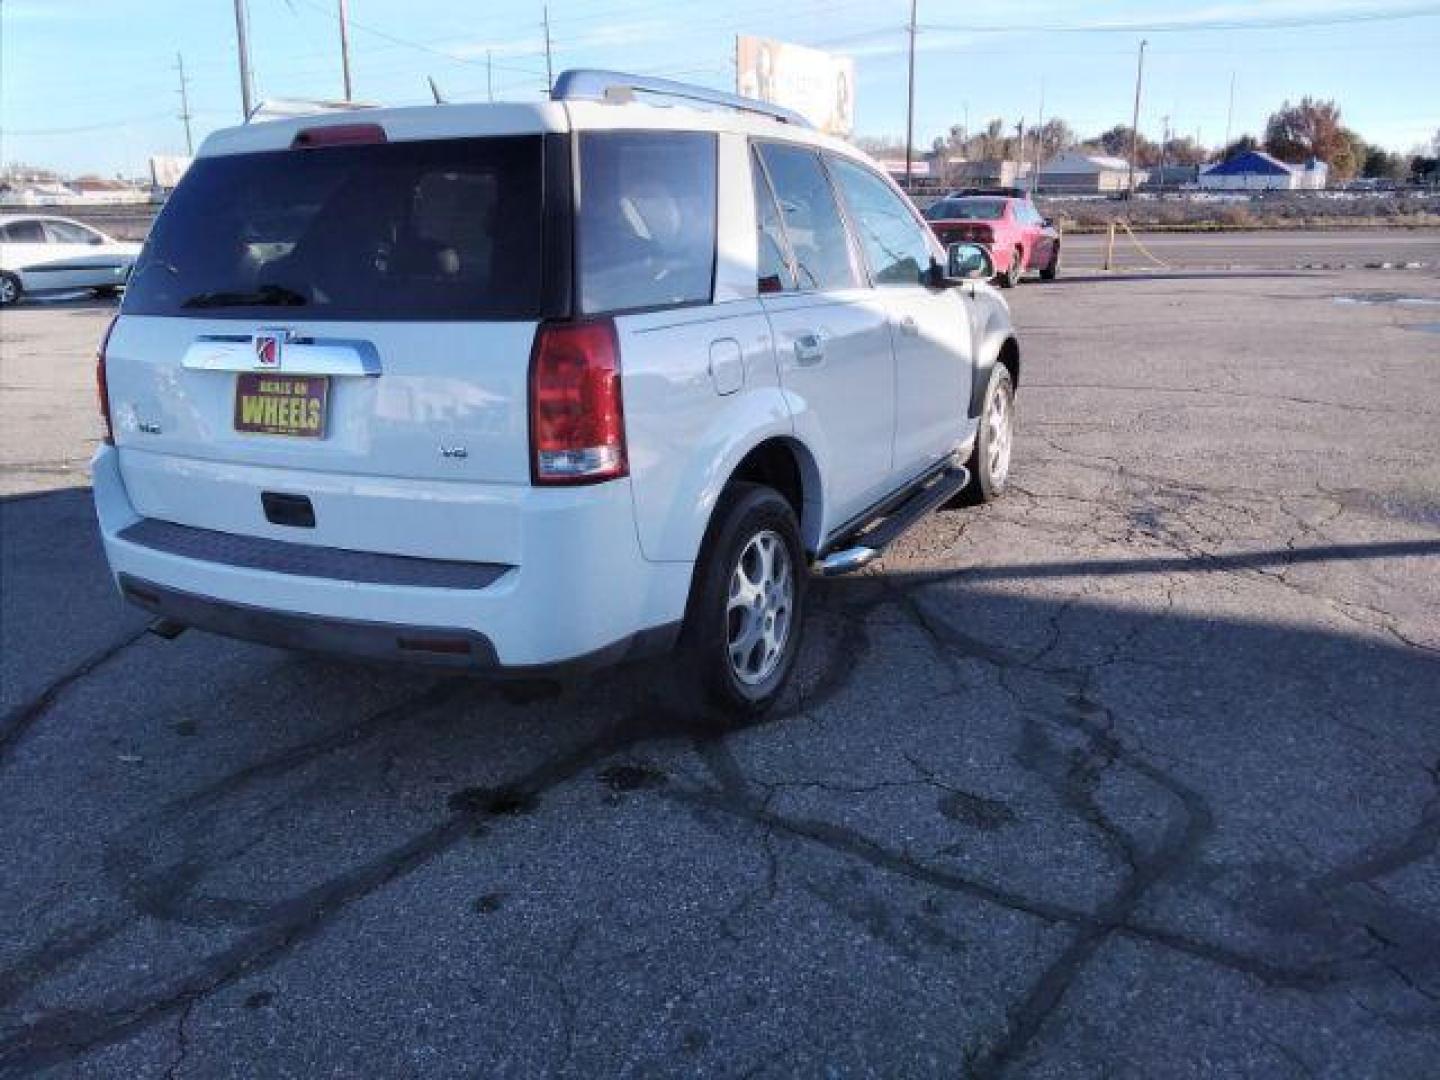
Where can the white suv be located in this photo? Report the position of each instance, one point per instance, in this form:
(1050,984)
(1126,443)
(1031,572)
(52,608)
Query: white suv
(526,387)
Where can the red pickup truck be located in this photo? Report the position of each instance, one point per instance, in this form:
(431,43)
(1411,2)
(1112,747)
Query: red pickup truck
(1019,237)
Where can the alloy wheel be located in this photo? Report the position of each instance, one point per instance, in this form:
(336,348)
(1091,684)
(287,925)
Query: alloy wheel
(1000,422)
(761,601)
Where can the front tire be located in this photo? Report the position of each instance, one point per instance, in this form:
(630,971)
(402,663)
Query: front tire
(10,289)
(747,602)
(989,462)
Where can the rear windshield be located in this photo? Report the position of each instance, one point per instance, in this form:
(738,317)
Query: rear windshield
(966,210)
(446,229)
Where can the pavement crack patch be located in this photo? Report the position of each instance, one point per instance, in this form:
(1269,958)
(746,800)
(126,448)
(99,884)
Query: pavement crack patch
(182,1040)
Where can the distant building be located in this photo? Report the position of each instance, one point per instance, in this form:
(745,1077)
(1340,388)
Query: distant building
(1078,172)
(919,167)
(85,191)
(1172,177)
(958,172)
(1255,170)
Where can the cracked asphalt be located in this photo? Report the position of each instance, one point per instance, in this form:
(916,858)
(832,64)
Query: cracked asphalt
(1133,773)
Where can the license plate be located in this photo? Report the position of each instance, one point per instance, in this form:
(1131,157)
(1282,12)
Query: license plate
(281,404)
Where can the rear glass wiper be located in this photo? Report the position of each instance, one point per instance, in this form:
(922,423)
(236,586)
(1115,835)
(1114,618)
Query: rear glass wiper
(264,296)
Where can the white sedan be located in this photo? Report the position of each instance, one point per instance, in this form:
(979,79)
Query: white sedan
(40,254)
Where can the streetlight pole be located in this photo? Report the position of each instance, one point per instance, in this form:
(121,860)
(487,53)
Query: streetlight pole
(345,49)
(549,70)
(242,38)
(1135,122)
(910,104)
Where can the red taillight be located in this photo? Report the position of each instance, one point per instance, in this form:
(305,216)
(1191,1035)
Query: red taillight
(102,386)
(338,135)
(577,424)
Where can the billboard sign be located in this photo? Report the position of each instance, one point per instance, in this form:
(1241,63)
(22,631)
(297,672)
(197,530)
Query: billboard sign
(818,85)
(165,171)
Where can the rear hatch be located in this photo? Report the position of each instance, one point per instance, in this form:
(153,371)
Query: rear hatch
(347,320)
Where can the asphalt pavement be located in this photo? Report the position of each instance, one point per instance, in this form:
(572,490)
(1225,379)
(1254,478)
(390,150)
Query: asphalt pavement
(1135,772)
(1278,249)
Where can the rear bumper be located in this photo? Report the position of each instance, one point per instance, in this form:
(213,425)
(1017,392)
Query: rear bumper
(464,650)
(580,594)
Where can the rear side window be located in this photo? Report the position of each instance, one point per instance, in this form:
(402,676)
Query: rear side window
(647,219)
(443,230)
(65,232)
(772,263)
(812,220)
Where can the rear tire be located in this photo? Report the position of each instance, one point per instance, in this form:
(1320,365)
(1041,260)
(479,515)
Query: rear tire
(1016,270)
(10,289)
(1052,268)
(747,601)
(989,462)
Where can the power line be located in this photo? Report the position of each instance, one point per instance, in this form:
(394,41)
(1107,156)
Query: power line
(1182,26)
(395,39)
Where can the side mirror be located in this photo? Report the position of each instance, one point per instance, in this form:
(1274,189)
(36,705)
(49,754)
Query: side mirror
(95,240)
(969,262)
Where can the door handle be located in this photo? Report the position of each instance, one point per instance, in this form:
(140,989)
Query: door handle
(908,326)
(809,349)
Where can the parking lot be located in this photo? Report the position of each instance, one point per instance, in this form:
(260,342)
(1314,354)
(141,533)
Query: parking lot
(1133,773)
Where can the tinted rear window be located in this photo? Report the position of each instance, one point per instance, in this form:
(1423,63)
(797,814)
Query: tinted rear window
(447,229)
(967,210)
(647,219)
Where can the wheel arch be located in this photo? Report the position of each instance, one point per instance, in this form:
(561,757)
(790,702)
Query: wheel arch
(784,463)
(997,346)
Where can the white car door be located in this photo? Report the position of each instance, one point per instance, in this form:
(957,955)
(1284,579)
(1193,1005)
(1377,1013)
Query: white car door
(929,325)
(831,338)
(81,258)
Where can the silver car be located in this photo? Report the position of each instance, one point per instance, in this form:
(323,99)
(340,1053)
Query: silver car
(42,254)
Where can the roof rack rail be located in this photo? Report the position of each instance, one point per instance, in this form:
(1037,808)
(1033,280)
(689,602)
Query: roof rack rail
(289,108)
(616,87)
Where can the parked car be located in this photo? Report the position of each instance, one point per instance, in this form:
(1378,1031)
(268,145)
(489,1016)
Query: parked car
(1019,237)
(383,385)
(42,254)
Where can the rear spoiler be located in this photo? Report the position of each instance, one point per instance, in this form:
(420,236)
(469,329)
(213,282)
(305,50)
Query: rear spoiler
(289,108)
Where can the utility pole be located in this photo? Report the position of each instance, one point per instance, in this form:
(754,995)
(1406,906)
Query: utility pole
(1020,169)
(185,104)
(345,48)
(1135,122)
(549,70)
(1039,143)
(910,104)
(242,38)
(489,76)
(1229,114)
(1164,145)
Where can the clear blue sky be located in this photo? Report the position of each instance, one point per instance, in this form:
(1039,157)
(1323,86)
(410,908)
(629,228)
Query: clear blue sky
(89,85)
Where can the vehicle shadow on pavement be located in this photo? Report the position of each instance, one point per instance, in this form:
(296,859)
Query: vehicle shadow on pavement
(980,789)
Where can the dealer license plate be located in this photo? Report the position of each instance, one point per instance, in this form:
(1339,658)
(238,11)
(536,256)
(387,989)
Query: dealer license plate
(281,404)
